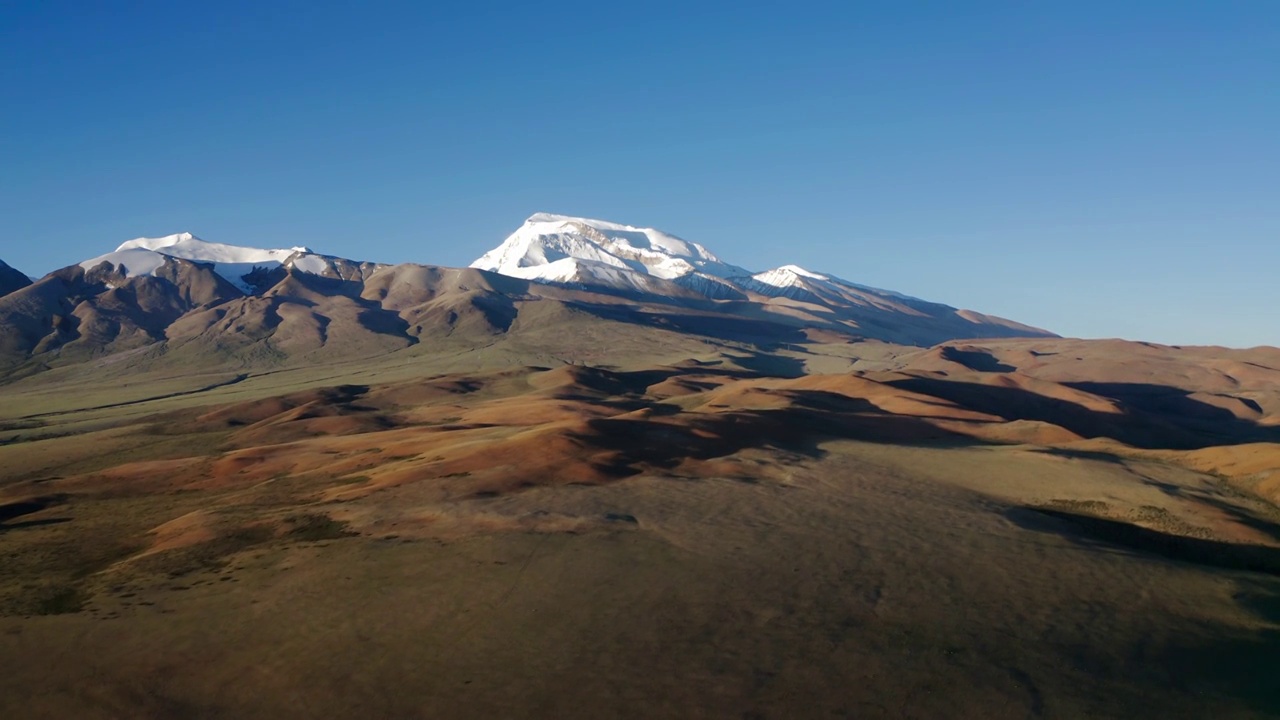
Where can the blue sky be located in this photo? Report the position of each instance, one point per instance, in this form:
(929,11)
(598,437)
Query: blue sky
(1099,169)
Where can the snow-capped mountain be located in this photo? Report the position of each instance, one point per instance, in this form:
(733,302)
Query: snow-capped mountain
(797,283)
(581,251)
(601,255)
(241,266)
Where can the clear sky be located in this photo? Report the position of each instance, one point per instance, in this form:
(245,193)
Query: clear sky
(1101,169)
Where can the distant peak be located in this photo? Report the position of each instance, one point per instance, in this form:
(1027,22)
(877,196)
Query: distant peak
(788,275)
(546,239)
(541,218)
(159,242)
(797,270)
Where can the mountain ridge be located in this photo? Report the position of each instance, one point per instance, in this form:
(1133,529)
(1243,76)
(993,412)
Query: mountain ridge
(586,252)
(225,303)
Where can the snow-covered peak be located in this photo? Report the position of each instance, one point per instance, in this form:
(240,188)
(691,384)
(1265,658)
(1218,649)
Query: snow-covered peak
(787,275)
(145,256)
(189,247)
(564,249)
(155,243)
(546,239)
(790,277)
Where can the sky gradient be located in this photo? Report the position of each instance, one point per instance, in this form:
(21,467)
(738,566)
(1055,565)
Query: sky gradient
(1097,169)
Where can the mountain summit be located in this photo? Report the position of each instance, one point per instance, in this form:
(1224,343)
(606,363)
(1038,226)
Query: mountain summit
(564,249)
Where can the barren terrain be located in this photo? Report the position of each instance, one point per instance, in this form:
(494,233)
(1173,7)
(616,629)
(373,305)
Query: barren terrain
(650,527)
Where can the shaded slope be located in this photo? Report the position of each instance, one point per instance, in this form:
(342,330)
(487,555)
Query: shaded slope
(11,279)
(301,317)
(71,314)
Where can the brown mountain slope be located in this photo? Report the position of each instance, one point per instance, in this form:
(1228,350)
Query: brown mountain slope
(302,317)
(300,308)
(71,315)
(189,319)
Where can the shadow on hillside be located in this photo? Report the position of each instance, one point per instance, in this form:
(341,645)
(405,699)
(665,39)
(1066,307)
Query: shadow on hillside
(1208,496)
(1103,532)
(767,365)
(1244,517)
(1168,401)
(976,360)
(1156,417)
(13,510)
(16,509)
(1074,454)
(810,418)
(720,327)
(1215,499)
(1222,659)
(371,315)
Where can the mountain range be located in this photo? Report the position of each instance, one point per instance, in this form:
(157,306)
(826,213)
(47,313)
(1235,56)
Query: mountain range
(208,301)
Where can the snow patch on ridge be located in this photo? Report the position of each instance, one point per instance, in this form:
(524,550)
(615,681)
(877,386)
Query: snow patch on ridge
(145,256)
(189,247)
(132,261)
(313,264)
